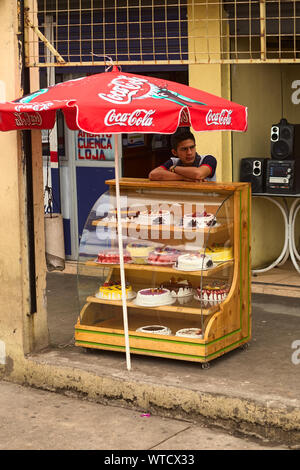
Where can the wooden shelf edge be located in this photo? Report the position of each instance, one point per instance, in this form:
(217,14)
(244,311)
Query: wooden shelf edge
(168,308)
(166,269)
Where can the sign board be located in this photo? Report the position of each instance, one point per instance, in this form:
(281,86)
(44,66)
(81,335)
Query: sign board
(94,147)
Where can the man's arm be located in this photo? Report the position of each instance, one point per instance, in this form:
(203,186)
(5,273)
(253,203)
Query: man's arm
(193,172)
(162,174)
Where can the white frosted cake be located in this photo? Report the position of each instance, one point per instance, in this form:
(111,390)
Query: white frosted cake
(190,333)
(153,297)
(155,329)
(193,262)
(199,220)
(154,218)
(179,287)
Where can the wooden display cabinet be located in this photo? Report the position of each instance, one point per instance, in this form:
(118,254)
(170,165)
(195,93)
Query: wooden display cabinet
(225,325)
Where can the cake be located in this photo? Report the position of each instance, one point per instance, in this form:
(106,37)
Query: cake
(199,220)
(155,329)
(178,288)
(112,290)
(125,212)
(154,218)
(218,252)
(213,291)
(165,255)
(190,333)
(153,297)
(112,257)
(139,252)
(193,262)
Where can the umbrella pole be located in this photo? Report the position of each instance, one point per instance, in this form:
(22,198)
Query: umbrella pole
(120,242)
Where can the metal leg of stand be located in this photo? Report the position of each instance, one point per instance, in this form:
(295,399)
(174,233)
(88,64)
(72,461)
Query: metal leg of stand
(295,257)
(285,250)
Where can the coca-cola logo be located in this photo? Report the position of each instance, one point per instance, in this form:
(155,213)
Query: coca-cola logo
(222,118)
(124,89)
(28,120)
(138,118)
(34,106)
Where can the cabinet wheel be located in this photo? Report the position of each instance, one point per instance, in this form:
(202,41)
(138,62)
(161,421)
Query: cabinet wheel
(88,350)
(244,347)
(205,365)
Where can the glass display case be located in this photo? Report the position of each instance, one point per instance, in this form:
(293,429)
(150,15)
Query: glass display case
(186,255)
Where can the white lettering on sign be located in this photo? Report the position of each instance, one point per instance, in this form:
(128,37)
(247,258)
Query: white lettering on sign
(34,106)
(123,89)
(219,119)
(296,94)
(28,120)
(139,117)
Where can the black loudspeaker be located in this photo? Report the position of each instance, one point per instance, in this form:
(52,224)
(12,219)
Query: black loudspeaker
(252,170)
(285,141)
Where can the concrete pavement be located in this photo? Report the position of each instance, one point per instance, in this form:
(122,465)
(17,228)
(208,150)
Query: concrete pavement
(254,392)
(33,419)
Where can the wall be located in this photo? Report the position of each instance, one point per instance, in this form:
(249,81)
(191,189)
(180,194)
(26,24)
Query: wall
(20,331)
(213,78)
(266,90)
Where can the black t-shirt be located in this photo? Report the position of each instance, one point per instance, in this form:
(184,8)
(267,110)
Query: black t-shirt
(200,160)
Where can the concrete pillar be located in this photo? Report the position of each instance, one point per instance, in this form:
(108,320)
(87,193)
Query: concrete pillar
(205,41)
(20,332)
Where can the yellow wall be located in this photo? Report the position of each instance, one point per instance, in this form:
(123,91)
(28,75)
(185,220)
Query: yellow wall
(213,78)
(266,90)
(20,332)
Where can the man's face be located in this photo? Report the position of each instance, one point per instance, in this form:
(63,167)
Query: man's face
(186,151)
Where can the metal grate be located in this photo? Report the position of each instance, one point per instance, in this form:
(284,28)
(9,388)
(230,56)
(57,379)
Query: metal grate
(87,32)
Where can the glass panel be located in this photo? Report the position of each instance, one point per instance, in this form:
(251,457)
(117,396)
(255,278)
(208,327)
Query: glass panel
(178,259)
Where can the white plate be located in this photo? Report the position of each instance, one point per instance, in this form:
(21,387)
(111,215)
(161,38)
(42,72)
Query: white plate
(152,306)
(130,297)
(198,269)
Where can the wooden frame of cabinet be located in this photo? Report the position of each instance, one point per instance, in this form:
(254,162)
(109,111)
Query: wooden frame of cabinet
(226,326)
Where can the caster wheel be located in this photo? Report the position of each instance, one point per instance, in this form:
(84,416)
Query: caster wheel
(244,347)
(205,365)
(88,350)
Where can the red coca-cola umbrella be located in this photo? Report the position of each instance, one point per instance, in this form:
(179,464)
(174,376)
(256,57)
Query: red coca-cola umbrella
(116,102)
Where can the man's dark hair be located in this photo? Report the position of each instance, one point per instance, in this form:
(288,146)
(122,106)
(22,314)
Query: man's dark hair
(179,136)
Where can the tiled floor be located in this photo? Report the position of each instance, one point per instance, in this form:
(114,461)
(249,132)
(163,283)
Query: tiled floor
(283,280)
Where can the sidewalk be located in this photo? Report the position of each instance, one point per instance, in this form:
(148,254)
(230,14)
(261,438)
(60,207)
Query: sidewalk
(253,391)
(41,420)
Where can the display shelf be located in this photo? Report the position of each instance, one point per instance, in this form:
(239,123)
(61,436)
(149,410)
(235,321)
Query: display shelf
(221,227)
(164,269)
(225,324)
(166,308)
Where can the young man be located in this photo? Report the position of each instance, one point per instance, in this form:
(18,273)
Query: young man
(186,164)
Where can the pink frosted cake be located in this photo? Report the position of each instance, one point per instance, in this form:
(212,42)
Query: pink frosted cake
(112,257)
(165,255)
(153,297)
